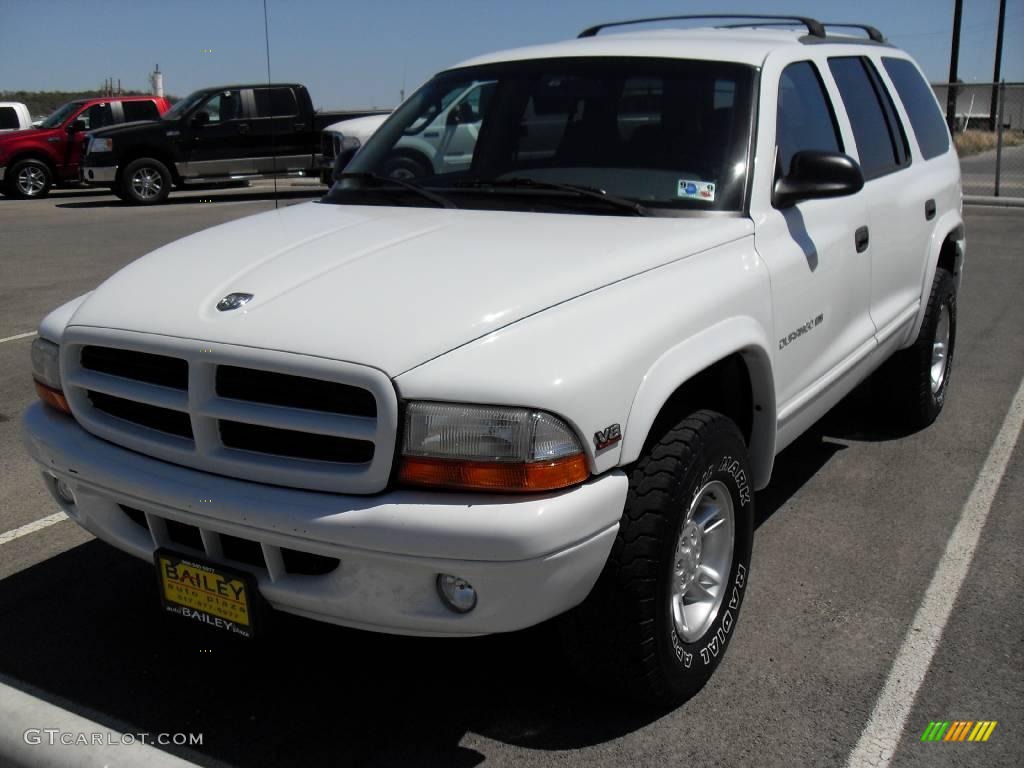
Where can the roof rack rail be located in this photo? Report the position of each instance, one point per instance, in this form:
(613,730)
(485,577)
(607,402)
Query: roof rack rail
(814,27)
(873,32)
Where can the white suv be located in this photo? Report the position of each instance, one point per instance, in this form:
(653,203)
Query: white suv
(545,381)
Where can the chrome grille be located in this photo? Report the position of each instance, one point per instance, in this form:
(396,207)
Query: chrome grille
(271,417)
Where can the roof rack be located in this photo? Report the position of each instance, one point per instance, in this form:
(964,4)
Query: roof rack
(814,28)
(873,32)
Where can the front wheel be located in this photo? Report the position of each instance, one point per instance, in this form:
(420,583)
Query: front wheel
(29,179)
(664,609)
(145,181)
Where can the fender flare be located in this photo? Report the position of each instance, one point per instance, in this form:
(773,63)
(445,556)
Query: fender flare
(736,335)
(950,223)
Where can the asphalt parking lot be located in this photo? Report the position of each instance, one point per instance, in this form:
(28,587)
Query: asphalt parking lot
(849,535)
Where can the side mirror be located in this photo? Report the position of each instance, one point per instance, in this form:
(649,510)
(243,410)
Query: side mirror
(813,175)
(76,126)
(347,150)
(199,119)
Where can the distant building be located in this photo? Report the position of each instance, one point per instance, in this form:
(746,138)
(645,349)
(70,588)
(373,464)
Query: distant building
(974,100)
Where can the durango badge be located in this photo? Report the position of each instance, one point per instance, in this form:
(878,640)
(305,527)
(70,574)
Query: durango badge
(233,301)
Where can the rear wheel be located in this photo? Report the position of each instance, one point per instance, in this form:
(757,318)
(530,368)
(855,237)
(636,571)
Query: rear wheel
(916,379)
(661,616)
(145,181)
(29,179)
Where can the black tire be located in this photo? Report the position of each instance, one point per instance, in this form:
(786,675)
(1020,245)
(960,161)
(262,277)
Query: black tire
(624,633)
(907,378)
(23,180)
(145,181)
(406,167)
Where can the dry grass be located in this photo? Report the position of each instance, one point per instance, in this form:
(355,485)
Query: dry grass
(972,142)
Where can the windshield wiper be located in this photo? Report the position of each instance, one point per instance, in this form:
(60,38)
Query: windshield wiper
(579,190)
(379,180)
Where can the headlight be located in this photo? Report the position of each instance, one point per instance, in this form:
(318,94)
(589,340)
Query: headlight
(46,372)
(490,448)
(100,145)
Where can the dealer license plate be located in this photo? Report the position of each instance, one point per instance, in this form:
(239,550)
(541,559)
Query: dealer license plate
(206,593)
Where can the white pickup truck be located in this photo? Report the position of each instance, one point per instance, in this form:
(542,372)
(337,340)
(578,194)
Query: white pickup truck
(14,116)
(547,381)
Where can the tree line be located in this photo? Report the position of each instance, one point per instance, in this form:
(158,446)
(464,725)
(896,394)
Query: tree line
(41,103)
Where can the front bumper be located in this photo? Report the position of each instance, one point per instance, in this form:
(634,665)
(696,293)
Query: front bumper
(97,175)
(528,558)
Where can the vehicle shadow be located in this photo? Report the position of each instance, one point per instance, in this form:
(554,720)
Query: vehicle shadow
(84,629)
(211,197)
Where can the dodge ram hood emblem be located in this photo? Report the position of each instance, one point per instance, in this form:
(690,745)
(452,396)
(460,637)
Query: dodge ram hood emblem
(233,301)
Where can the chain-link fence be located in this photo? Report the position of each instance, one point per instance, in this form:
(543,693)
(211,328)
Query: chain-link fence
(989,133)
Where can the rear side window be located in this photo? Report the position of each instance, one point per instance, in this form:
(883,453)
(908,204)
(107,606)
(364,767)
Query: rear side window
(275,102)
(139,110)
(8,118)
(876,129)
(919,101)
(805,120)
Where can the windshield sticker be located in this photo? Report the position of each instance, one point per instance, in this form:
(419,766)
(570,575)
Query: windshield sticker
(697,190)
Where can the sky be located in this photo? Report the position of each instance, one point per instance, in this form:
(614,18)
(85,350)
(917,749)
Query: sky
(359,54)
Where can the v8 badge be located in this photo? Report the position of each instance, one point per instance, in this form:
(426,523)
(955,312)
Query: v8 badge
(607,436)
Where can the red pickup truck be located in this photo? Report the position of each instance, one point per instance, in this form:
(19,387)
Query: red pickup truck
(34,160)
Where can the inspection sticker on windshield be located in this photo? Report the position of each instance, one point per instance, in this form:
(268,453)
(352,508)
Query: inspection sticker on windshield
(697,190)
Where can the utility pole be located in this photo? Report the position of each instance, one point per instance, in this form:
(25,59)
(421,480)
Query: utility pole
(999,61)
(954,59)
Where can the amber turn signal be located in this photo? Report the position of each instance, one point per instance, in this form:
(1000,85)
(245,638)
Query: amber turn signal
(53,397)
(500,476)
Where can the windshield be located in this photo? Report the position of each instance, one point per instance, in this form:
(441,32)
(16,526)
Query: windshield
(670,134)
(61,114)
(184,105)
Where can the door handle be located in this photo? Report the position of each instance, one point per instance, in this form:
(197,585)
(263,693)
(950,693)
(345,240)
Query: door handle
(243,128)
(929,209)
(299,126)
(860,238)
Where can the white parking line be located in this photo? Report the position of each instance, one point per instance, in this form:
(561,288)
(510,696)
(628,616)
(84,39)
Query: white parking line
(881,735)
(37,525)
(19,336)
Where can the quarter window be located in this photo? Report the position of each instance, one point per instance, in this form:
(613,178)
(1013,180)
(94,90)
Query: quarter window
(922,109)
(881,143)
(139,110)
(275,102)
(805,119)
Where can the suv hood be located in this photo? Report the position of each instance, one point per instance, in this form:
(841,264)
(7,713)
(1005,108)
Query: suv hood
(388,287)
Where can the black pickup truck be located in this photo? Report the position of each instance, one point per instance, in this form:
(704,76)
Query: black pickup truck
(218,134)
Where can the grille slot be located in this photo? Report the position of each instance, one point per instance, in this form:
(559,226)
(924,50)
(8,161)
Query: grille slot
(151,416)
(139,366)
(308,564)
(294,391)
(297,445)
(185,535)
(236,549)
(242,550)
